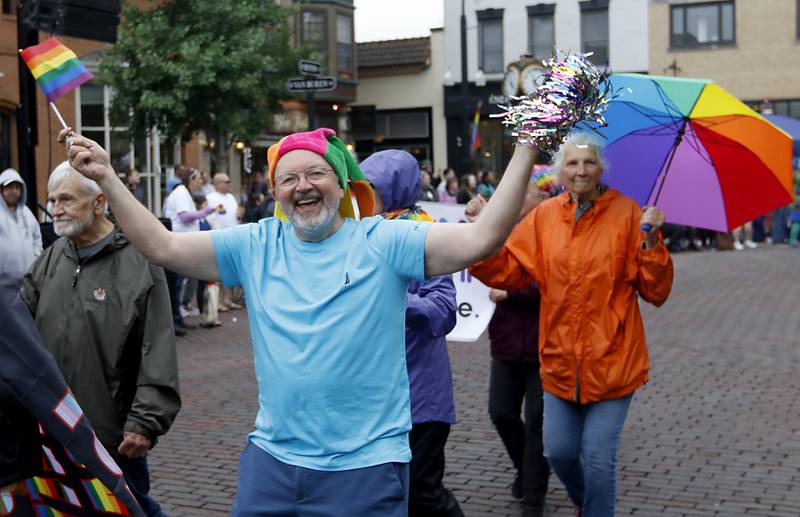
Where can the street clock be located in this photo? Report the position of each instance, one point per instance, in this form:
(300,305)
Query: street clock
(511,81)
(532,77)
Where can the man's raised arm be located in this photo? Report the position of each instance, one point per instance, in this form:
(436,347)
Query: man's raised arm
(451,247)
(191,254)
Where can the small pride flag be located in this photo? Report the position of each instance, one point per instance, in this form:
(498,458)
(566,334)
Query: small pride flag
(55,67)
(475,141)
(103,499)
(68,410)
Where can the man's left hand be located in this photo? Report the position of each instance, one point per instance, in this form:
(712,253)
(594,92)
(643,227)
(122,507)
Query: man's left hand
(134,445)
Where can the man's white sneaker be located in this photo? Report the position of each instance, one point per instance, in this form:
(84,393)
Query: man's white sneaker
(738,246)
(750,244)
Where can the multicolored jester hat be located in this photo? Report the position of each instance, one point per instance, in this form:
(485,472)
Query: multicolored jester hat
(358,200)
(57,70)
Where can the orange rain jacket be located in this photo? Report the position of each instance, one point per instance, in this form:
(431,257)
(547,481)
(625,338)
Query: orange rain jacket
(591,336)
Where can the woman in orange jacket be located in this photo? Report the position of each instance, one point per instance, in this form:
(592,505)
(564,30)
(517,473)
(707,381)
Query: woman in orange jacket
(587,253)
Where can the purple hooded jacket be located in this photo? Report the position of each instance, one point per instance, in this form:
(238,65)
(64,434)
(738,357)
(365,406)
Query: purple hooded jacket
(431,306)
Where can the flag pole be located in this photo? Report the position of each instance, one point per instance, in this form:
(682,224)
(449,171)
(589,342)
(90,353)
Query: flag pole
(58,115)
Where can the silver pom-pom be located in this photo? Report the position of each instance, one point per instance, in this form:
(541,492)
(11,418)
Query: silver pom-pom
(574,91)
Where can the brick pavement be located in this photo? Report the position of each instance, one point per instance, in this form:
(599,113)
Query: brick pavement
(715,432)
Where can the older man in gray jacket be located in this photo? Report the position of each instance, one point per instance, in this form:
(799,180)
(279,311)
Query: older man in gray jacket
(104,313)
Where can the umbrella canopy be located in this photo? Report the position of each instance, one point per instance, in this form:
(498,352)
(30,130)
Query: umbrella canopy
(695,151)
(790,126)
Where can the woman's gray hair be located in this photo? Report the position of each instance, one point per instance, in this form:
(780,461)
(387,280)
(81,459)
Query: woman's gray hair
(580,140)
(62,172)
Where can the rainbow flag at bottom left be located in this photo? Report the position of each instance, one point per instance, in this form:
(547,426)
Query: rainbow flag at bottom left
(55,67)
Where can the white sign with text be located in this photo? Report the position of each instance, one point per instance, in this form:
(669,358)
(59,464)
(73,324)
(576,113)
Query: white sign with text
(475,309)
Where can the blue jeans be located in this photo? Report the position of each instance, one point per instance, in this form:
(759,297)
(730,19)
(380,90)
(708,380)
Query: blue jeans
(581,442)
(267,486)
(137,476)
(779,219)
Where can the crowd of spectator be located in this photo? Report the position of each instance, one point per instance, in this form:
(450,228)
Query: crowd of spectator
(445,186)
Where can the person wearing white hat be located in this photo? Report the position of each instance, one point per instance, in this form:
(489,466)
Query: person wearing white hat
(20,236)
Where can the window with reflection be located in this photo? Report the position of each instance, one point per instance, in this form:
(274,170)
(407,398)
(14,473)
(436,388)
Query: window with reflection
(699,25)
(490,41)
(314,34)
(344,46)
(404,124)
(594,30)
(93,122)
(787,108)
(541,30)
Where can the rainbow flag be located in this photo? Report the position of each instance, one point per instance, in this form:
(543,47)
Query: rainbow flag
(475,141)
(46,511)
(103,499)
(55,67)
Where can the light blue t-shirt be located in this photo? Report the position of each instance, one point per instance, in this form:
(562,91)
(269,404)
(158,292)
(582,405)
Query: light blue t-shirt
(327,320)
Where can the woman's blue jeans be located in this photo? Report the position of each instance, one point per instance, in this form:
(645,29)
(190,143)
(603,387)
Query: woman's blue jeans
(581,442)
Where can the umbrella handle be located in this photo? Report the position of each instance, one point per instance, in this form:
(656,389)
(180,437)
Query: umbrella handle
(646,228)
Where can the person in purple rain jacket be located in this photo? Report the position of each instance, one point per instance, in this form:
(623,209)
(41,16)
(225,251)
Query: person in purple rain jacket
(430,315)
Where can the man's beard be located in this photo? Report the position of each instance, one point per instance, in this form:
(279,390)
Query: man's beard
(313,226)
(73,227)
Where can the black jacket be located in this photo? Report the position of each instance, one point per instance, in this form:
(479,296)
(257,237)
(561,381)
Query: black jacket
(514,328)
(33,393)
(20,446)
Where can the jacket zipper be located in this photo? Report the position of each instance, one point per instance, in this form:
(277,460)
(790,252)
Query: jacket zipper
(75,276)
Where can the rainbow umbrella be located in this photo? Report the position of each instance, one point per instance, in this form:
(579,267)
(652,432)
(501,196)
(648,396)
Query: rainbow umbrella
(791,126)
(695,151)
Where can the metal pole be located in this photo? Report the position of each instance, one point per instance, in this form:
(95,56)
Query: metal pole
(312,111)
(27,137)
(465,136)
(678,138)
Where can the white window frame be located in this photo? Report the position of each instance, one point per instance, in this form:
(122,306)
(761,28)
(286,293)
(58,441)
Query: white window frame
(147,166)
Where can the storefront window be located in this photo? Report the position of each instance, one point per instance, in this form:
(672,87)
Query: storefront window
(409,124)
(787,108)
(494,151)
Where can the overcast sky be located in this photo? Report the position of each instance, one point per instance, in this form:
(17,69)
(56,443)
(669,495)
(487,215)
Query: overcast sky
(393,19)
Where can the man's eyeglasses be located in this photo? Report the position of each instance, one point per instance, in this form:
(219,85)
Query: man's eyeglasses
(290,180)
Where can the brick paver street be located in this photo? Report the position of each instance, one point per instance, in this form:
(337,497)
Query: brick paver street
(715,432)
